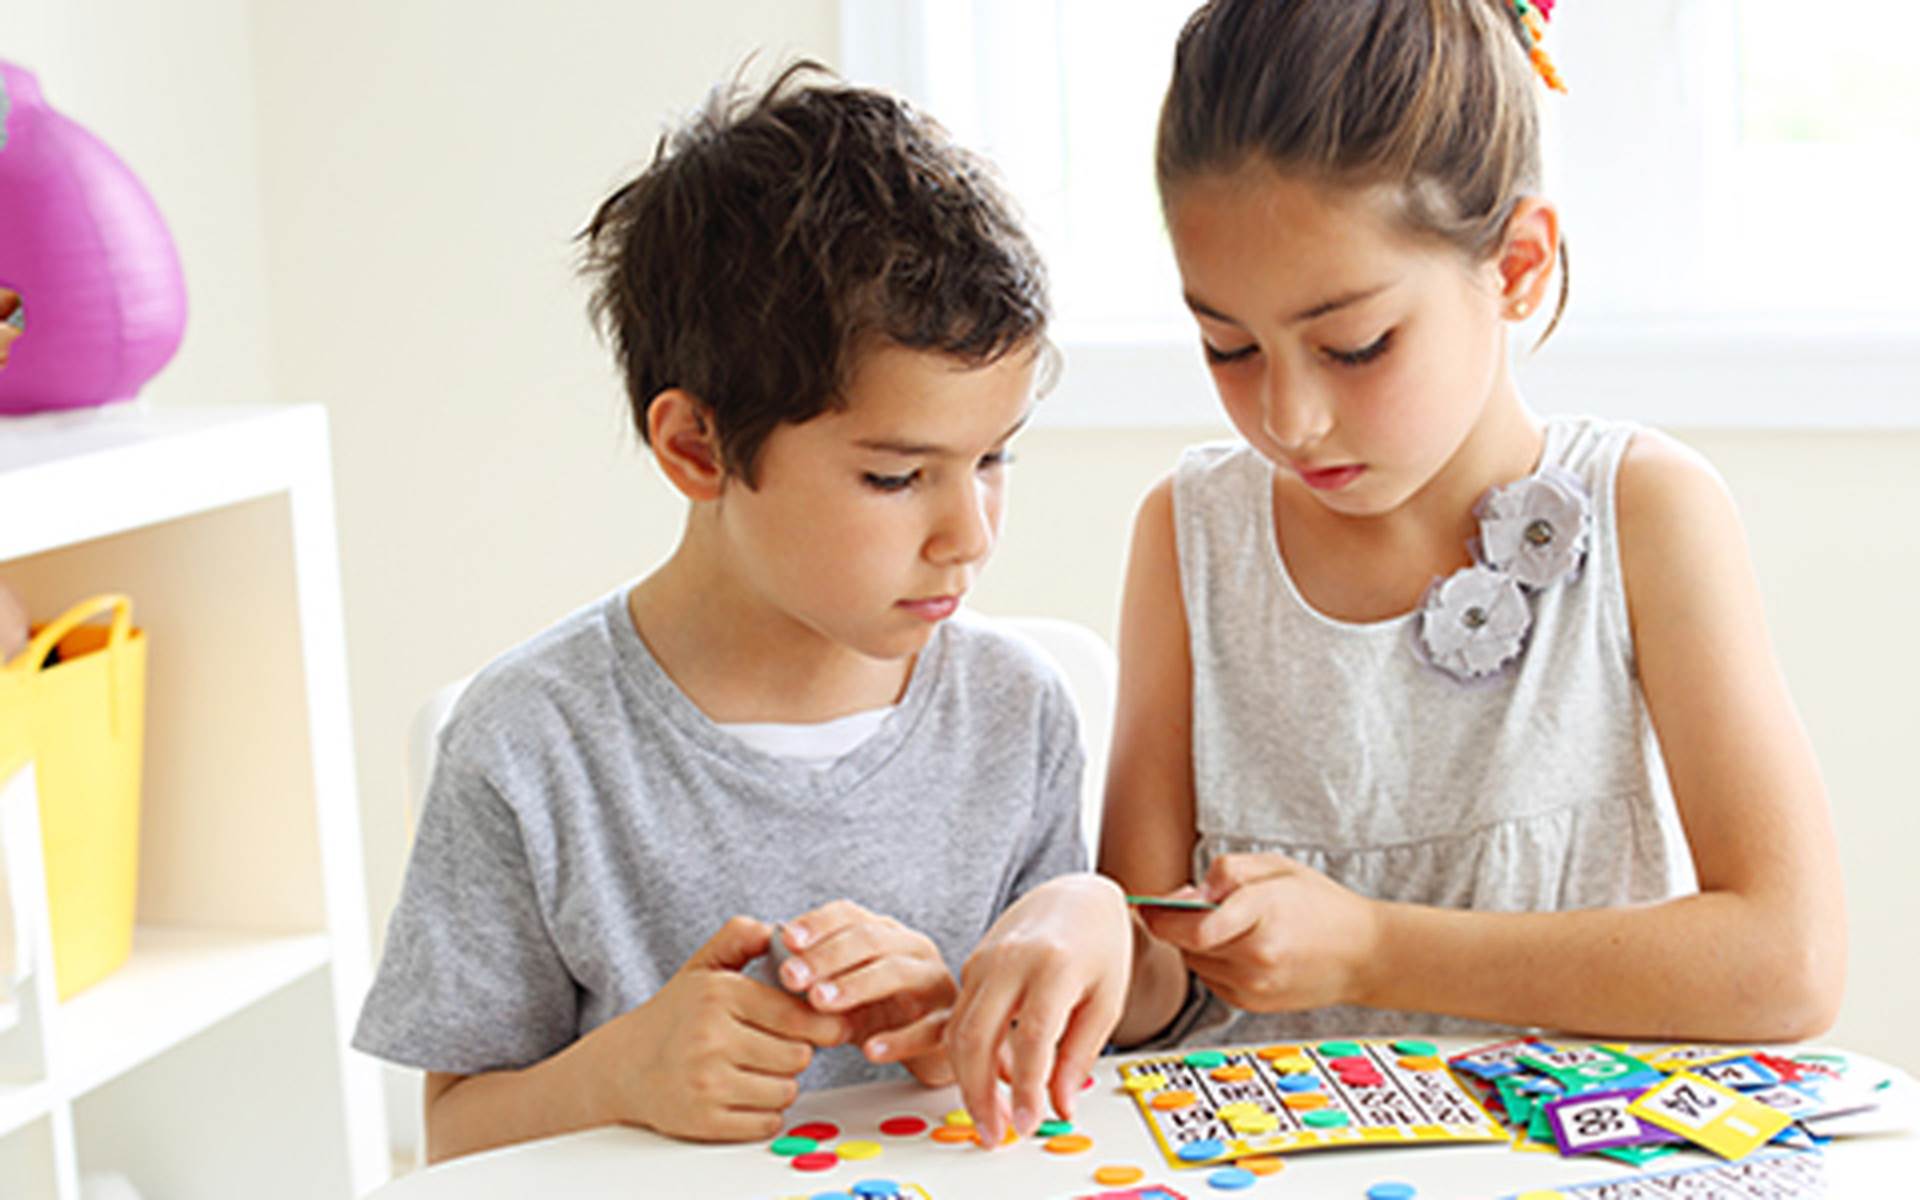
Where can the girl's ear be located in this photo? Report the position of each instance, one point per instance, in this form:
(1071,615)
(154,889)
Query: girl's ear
(681,434)
(1528,252)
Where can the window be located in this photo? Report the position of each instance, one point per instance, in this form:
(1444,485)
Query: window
(1735,175)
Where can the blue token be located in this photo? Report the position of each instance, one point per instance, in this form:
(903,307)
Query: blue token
(876,1189)
(1231,1179)
(830,1196)
(1202,1150)
(1391,1191)
(1297,1083)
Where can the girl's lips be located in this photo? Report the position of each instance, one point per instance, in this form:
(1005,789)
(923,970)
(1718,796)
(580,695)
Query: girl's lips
(933,608)
(1329,479)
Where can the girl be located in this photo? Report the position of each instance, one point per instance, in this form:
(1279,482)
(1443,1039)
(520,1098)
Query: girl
(1452,709)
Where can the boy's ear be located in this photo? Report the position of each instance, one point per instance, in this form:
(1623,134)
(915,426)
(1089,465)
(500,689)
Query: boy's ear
(681,433)
(1528,252)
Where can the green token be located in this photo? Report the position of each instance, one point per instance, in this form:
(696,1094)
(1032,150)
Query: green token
(789,1147)
(1413,1049)
(1206,1058)
(1339,1049)
(1055,1128)
(1324,1118)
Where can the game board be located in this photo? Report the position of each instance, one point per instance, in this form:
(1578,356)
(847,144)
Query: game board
(1214,1106)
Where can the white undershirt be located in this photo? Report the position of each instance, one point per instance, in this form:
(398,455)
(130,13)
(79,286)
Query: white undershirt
(817,745)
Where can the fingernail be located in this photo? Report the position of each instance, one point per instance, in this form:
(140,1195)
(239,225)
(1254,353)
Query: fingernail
(797,936)
(1024,1119)
(876,1049)
(827,992)
(797,972)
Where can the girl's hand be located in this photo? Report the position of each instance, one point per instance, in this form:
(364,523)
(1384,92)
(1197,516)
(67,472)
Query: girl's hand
(1038,998)
(1284,938)
(889,981)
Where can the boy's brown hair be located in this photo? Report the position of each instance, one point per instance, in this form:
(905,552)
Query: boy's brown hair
(777,236)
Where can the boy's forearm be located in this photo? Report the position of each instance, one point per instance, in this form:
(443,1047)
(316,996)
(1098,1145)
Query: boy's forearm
(1155,992)
(501,1108)
(1715,966)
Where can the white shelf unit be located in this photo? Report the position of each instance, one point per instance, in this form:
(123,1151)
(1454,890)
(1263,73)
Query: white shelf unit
(215,1063)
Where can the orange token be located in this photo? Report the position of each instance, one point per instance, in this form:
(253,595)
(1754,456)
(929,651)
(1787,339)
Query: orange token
(1233,1074)
(1118,1174)
(1272,1052)
(1069,1143)
(1167,1101)
(1008,1140)
(952,1134)
(1420,1062)
(1302,1101)
(1261,1166)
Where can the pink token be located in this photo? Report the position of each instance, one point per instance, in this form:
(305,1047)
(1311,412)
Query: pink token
(817,1160)
(903,1126)
(819,1131)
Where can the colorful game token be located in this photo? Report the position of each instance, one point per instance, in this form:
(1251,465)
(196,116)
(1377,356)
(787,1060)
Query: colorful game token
(1054,1128)
(1146,1081)
(1270,1053)
(1325,1118)
(1297,1083)
(832,1196)
(1068,1143)
(1231,1179)
(1205,1059)
(952,1135)
(1117,1174)
(1237,1073)
(1009,1139)
(1338,1049)
(1263,1165)
(816,1160)
(908,1126)
(960,1117)
(790,1145)
(1168,1101)
(1304,1101)
(1415,1049)
(876,1189)
(1202,1150)
(1391,1191)
(857,1151)
(819,1131)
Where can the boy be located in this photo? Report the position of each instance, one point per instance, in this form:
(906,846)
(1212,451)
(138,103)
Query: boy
(829,326)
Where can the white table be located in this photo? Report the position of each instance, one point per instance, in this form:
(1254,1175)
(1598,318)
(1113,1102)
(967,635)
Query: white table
(628,1163)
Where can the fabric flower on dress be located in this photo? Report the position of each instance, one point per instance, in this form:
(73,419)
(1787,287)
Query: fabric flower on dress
(1535,529)
(1474,622)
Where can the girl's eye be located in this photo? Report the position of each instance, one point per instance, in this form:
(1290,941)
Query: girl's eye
(997,459)
(1364,355)
(1218,357)
(890,483)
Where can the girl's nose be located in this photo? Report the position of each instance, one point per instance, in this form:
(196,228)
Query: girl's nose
(1295,411)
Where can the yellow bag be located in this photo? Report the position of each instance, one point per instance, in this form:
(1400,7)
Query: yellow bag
(84,718)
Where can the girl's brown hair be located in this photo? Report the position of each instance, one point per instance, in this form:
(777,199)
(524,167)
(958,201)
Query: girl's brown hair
(1436,98)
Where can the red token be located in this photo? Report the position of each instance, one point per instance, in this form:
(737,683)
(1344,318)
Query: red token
(819,1131)
(1089,1083)
(818,1160)
(903,1126)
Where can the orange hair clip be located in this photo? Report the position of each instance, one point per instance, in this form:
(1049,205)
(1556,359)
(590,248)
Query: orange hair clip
(1534,15)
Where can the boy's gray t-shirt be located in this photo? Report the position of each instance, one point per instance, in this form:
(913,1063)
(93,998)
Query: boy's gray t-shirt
(588,828)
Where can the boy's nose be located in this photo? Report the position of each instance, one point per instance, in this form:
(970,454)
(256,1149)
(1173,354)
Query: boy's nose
(968,523)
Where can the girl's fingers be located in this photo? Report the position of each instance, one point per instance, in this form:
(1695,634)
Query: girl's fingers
(924,1036)
(1034,1041)
(974,1043)
(851,945)
(882,979)
(783,1016)
(1086,1035)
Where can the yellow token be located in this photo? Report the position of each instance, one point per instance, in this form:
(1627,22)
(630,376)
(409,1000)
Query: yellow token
(960,1117)
(1167,1101)
(1069,1143)
(1234,1073)
(1145,1081)
(1118,1174)
(1416,1062)
(1291,1066)
(1252,1123)
(855,1151)
(1261,1166)
(1228,1112)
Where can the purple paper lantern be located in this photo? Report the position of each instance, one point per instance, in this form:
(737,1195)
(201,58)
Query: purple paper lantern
(103,303)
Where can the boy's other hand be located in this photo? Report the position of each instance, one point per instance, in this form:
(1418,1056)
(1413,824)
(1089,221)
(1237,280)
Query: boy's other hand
(887,979)
(1284,938)
(715,1056)
(1038,998)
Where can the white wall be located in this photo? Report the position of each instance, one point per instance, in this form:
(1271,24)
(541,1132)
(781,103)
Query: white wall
(375,199)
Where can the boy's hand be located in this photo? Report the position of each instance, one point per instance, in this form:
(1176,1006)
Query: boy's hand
(1284,938)
(1041,994)
(889,981)
(715,1056)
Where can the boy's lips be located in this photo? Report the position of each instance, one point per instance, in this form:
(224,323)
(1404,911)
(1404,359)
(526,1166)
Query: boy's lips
(932,608)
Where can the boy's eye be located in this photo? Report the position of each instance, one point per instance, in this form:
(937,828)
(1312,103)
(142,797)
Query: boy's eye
(889,483)
(1364,355)
(1219,357)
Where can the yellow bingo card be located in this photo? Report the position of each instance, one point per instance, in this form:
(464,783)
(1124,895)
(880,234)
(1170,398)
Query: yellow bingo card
(1719,1118)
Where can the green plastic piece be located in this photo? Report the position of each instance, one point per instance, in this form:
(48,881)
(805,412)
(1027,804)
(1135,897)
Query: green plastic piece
(788,1147)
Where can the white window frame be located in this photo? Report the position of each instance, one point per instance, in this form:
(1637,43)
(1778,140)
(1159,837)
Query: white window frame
(1643,361)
